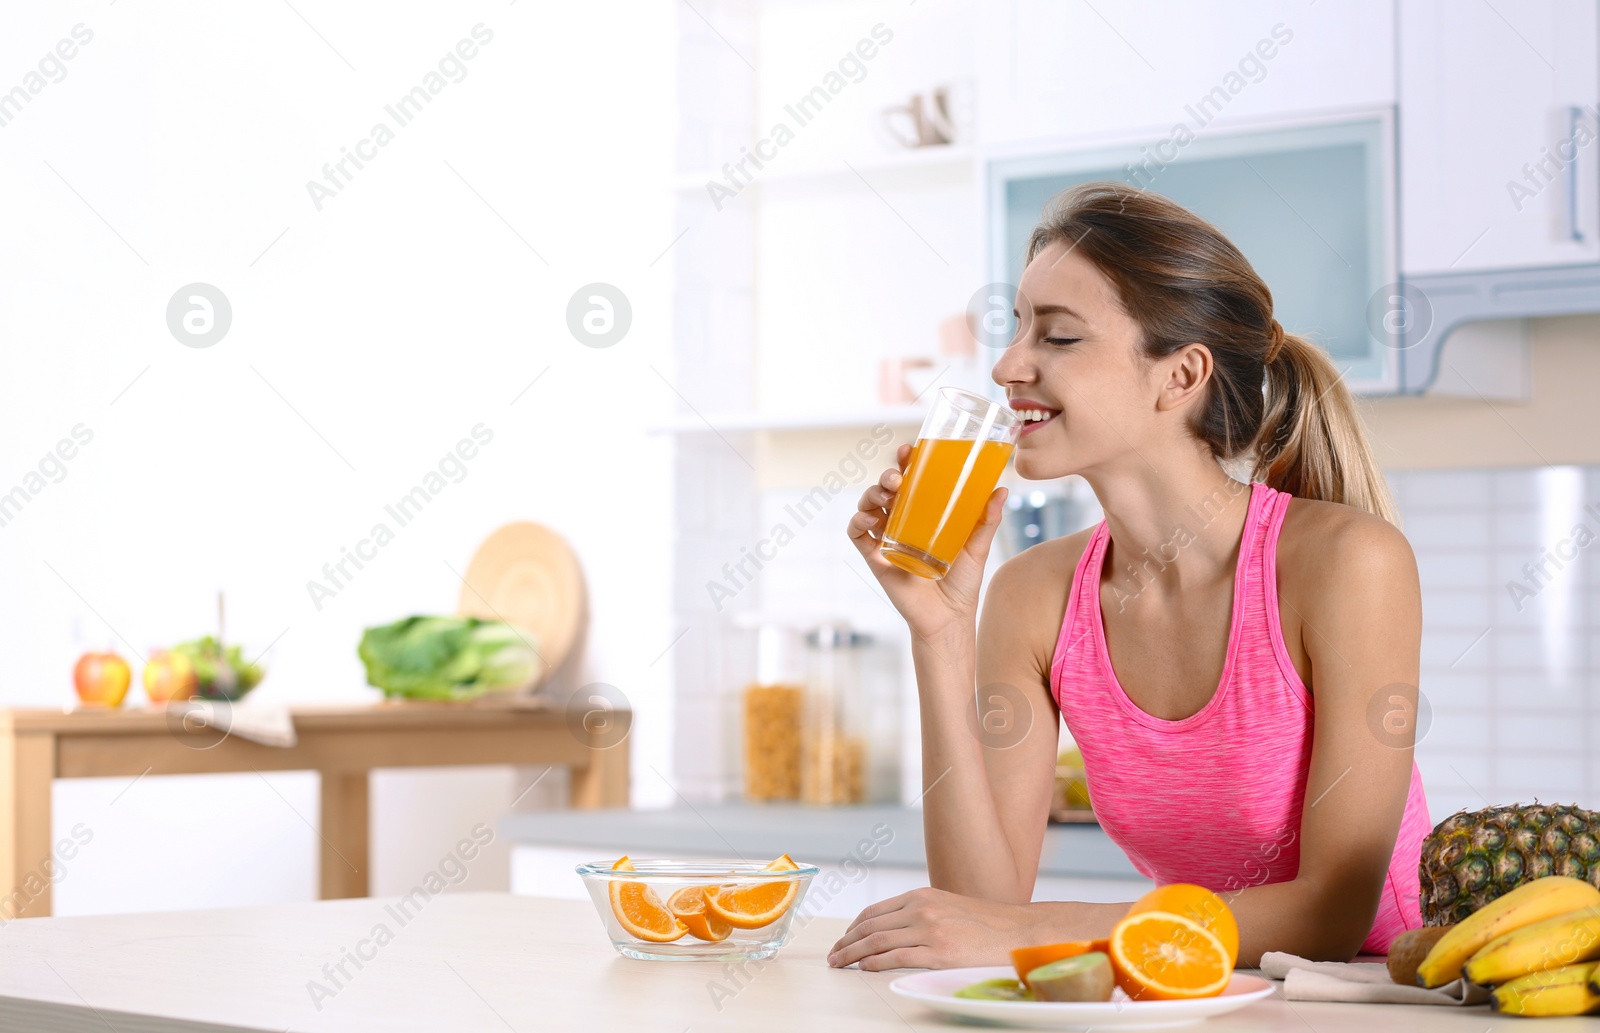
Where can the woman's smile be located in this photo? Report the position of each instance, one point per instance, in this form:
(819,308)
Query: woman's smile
(1035,415)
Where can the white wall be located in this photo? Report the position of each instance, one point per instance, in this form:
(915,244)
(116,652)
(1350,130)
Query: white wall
(367,338)
(1510,633)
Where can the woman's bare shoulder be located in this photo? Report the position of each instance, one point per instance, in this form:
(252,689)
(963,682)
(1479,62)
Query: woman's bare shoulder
(1046,566)
(1028,592)
(1326,543)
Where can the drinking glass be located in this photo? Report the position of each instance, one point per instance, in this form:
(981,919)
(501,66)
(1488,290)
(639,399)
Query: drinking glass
(961,450)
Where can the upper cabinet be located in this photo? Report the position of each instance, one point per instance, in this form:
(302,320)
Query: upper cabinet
(1084,72)
(1309,203)
(1498,161)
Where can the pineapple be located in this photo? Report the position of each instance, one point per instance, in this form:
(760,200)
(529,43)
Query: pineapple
(1470,858)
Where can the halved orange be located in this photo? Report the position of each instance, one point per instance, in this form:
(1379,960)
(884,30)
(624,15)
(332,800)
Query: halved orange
(751,907)
(689,906)
(1197,904)
(1026,959)
(640,911)
(1158,956)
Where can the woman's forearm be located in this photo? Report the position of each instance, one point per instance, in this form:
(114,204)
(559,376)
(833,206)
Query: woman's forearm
(1064,920)
(1319,923)
(967,848)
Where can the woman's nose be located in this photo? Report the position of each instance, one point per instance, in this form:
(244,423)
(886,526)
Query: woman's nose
(1011,367)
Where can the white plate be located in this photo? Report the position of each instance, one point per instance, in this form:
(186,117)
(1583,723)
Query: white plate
(936,989)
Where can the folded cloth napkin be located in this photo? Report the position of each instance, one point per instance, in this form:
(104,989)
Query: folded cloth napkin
(262,723)
(1359,982)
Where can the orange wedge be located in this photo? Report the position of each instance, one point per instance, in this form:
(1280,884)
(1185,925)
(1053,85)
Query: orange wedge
(641,912)
(1026,959)
(689,906)
(1197,904)
(1157,956)
(751,907)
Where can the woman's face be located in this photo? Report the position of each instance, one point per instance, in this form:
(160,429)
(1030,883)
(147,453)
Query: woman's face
(1075,357)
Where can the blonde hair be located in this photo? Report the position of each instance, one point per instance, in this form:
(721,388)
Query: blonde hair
(1273,396)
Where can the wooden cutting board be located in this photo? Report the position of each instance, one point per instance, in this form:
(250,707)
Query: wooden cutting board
(527,575)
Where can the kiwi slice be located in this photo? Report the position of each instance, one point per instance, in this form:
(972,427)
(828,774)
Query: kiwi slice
(1086,977)
(996,990)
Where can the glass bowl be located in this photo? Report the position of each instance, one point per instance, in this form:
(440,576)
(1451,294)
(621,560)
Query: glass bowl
(656,882)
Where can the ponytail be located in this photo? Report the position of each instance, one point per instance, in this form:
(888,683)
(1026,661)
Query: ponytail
(1312,443)
(1183,282)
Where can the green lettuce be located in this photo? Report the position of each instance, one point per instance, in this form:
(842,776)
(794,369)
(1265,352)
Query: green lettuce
(447,657)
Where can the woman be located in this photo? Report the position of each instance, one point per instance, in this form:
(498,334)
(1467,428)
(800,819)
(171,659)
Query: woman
(1188,639)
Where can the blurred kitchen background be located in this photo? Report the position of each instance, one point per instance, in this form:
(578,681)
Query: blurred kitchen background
(808,208)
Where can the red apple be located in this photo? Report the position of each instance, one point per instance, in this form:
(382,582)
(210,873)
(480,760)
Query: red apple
(101,679)
(168,676)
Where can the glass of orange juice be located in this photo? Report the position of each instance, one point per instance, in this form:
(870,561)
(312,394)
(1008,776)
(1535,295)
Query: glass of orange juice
(965,442)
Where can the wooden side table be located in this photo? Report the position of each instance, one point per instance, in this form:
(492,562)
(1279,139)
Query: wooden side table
(341,743)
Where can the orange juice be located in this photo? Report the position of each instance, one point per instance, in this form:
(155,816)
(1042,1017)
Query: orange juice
(940,501)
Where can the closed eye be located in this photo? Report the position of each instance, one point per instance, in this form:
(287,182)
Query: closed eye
(1062,340)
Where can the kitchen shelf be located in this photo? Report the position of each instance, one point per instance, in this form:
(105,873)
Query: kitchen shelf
(894,416)
(949,157)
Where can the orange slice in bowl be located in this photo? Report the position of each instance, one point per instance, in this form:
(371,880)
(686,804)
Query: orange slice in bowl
(1159,956)
(751,907)
(689,907)
(640,911)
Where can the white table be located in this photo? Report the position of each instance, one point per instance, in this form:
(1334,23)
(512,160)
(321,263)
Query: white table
(492,962)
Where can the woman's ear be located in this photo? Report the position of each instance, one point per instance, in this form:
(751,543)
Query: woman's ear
(1185,373)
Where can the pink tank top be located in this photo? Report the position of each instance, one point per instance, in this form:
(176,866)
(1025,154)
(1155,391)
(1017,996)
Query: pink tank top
(1214,798)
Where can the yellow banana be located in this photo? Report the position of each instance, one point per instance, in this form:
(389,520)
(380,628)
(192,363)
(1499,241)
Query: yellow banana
(1556,991)
(1531,902)
(1553,943)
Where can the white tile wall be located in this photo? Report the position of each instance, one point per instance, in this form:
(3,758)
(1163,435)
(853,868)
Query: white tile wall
(1457,689)
(1516,716)
(1461,529)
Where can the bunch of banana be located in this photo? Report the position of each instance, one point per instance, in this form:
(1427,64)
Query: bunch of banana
(1568,990)
(1536,945)
(1563,940)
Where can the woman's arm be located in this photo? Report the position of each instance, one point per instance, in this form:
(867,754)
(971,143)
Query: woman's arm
(1349,581)
(988,761)
(988,769)
(989,758)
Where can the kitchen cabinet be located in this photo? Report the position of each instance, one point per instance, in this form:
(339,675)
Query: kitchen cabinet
(1309,201)
(1075,72)
(1494,100)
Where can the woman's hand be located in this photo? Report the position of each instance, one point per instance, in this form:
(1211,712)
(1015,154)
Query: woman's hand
(929,928)
(929,607)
